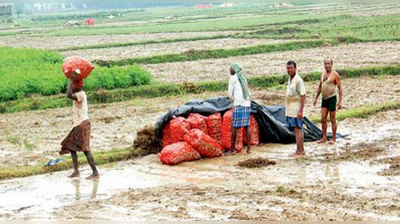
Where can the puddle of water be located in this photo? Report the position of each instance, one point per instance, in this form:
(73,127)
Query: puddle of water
(376,133)
(46,192)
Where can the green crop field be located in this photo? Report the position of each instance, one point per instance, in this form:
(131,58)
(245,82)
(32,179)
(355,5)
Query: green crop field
(377,28)
(220,24)
(29,71)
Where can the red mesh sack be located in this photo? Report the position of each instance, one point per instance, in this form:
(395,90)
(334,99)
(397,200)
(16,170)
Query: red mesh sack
(166,133)
(227,133)
(214,123)
(177,153)
(179,126)
(198,121)
(204,144)
(74,63)
(254,132)
(89,22)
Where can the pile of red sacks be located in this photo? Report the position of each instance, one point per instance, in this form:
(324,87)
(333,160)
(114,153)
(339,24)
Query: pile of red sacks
(195,137)
(89,22)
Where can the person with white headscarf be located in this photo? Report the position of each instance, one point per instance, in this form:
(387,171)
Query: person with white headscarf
(238,91)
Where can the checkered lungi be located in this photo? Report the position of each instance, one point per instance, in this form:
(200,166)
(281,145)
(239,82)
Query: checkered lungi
(241,116)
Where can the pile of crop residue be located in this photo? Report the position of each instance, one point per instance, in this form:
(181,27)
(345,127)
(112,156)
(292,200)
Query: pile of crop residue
(394,168)
(256,163)
(146,142)
(362,151)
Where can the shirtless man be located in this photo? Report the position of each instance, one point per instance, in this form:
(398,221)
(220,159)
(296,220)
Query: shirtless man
(328,86)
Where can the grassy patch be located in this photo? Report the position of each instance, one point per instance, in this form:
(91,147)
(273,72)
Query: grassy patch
(13,140)
(28,146)
(193,55)
(352,29)
(362,112)
(100,159)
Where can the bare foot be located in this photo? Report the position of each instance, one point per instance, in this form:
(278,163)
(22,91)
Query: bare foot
(74,175)
(322,141)
(248,151)
(230,152)
(297,154)
(93,177)
(332,142)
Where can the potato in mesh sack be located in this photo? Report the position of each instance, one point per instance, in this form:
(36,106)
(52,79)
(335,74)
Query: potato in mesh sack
(178,152)
(166,132)
(270,120)
(254,132)
(204,144)
(198,121)
(179,126)
(227,133)
(77,63)
(214,123)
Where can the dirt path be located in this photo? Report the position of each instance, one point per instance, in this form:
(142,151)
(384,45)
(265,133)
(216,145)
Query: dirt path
(323,186)
(29,137)
(309,60)
(79,41)
(169,48)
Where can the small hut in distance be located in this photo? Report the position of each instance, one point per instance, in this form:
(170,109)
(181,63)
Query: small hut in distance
(6,9)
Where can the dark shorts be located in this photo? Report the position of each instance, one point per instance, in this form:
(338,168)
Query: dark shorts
(241,117)
(78,139)
(330,103)
(292,122)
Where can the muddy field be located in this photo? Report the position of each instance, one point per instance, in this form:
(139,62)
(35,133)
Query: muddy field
(322,186)
(168,48)
(309,60)
(29,137)
(79,41)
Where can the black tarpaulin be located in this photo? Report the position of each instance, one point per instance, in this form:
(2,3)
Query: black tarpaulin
(271,119)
